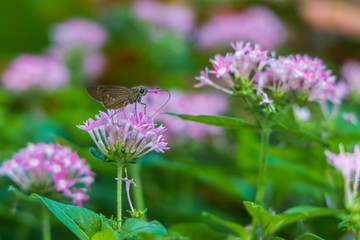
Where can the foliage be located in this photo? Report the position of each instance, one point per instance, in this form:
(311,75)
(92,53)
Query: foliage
(203,188)
(86,224)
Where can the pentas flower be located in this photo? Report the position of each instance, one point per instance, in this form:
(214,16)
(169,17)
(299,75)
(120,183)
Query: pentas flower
(174,17)
(77,32)
(93,61)
(302,113)
(243,65)
(221,67)
(350,117)
(35,72)
(123,137)
(348,164)
(47,168)
(256,24)
(303,76)
(350,71)
(82,40)
(205,80)
(78,196)
(273,80)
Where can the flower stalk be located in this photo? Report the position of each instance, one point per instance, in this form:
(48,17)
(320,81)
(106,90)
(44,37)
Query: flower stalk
(119,189)
(262,168)
(139,196)
(262,174)
(45,223)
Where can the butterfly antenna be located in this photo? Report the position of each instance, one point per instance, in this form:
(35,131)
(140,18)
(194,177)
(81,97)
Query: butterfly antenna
(167,100)
(155,90)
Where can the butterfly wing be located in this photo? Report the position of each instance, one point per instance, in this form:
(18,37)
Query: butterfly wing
(111,97)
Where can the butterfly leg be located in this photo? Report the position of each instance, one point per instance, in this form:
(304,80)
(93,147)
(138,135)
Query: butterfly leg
(116,111)
(144,107)
(136,114)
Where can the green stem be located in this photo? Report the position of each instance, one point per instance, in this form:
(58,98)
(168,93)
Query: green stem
(119,185)
(262,171)
(261,180)
(45,223)
(138,192)
(252,110)
(357,235)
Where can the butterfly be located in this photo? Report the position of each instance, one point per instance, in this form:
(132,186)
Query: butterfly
(117,97)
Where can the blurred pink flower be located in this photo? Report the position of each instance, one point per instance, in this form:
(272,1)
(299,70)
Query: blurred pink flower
(78,196)
(41,168)
(94,65)
(79,32)
(257,24)
(188,103)
(302,113)
(265,99)
(81,38)
(348,164)
(35,71)
(350,71)
(124,137)
(177,18)
(350,118)
(94,61)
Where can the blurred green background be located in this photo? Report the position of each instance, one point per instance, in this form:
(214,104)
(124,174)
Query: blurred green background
(214,174)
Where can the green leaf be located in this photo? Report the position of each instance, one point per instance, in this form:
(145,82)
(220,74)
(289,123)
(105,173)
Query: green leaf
(106,234)
(81,221)
(97,154)
(211,175)
(270,223)
(262,217)
(300,132)
(195,231)
(309,236)
(19,193)
(133,226)
(233,226)
(235,123)
(297,213)
(220,121)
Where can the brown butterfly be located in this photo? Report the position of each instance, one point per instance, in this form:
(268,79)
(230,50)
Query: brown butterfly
(117,97)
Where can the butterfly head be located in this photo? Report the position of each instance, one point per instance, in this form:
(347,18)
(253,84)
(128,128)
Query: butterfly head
(142,90)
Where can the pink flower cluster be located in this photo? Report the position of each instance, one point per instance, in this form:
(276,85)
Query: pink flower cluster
(34,71)
(348,164)
(44,168)
(80,36)
(123,137)
(173,17)
(50,71)
(188,103)
(294,77)
(301,74)
(80,33)
(257,24)
(350,71)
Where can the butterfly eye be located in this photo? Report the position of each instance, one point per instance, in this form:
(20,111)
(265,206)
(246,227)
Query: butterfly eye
(141,91)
